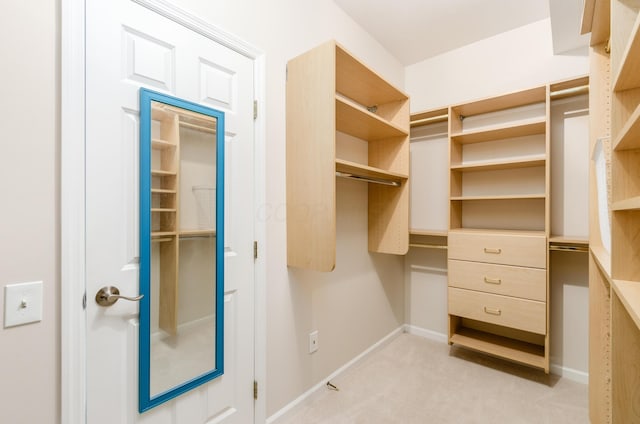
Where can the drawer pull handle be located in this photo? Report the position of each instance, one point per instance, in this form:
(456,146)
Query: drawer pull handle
(492,280)
(492,311)
(492,250)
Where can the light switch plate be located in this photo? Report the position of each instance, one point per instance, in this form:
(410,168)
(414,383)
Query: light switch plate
(22,303)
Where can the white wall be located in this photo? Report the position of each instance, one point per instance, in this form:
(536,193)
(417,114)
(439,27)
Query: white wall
(362,300)
(29,228)
(518,59)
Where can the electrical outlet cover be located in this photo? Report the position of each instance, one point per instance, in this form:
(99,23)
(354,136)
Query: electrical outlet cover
(22,303)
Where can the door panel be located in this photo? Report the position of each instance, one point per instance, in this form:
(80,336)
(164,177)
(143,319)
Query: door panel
(128,47)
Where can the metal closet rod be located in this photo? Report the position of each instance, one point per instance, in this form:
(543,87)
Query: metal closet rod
(368,179)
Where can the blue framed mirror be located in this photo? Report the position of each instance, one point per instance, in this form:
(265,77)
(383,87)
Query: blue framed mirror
(181,247)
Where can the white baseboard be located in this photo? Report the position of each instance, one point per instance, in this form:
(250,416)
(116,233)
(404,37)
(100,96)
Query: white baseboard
(283,411)
(427,334)
(556,369)
(570,373)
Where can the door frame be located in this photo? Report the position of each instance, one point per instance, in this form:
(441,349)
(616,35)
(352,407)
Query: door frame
(73,297)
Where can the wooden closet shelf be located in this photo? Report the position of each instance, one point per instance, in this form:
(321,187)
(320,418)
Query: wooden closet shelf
(357,81)
(501,197)
(501,164)
(505,101)
(163,191)
(348,167)
(569,240)
(629,137)
(435,233)
(162,233)
(628,75)
(525,233)
(630,204)
(198,232)
(533,127)
(502,347)
(356,120)
(629,294)
(162,144)
(161,173)
(163,210)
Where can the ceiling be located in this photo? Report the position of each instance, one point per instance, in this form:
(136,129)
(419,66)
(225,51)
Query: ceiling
(414,30)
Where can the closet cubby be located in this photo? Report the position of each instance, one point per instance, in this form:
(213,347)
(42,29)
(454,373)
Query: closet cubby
(343,120)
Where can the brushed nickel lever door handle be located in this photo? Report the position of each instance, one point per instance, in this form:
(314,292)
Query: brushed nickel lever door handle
(109,295)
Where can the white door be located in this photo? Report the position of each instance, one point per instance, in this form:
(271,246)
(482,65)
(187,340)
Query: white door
(127,47)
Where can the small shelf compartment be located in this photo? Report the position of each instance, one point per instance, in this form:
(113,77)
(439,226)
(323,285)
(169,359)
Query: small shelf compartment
(628,76)
(537,126)
(355,120)
(629,137)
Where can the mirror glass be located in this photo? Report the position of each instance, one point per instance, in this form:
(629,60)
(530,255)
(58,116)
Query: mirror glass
(181,246)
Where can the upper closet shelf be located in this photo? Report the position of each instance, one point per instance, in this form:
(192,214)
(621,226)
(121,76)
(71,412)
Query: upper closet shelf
(501,164)
(355,120)
(629,137)
(537,126)
(628,75)
(501,197)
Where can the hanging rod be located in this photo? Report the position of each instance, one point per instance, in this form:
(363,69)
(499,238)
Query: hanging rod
(432,119)
(569,248)
(573,91)
(368,179)
(428,246)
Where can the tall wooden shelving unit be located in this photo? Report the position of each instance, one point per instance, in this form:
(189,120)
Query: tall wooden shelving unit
(614,368)
(330,94)
(625,219)
(499,225)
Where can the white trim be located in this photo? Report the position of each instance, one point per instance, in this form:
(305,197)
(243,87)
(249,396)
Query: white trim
(72,231)
(287,408)
(570,373)
(425,333)
(72,215)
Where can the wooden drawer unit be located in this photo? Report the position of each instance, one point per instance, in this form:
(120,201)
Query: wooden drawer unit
(507,248)
(522,314)
(527,283)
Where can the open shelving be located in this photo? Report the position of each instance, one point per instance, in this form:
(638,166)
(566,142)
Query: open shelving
(332,95)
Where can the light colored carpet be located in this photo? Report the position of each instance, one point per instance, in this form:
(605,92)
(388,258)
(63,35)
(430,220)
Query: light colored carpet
(413,380)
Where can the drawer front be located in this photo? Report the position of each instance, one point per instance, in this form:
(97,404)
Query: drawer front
(528,283)
(527,315)
(505,249)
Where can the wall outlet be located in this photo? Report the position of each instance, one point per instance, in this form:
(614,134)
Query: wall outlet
(313,341)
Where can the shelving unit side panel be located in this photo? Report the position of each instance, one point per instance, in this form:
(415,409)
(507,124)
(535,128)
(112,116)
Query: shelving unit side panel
(625,373)
(389,218)
(547,173)
(599,345)
(311,133)
(623,14)
(391,154)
